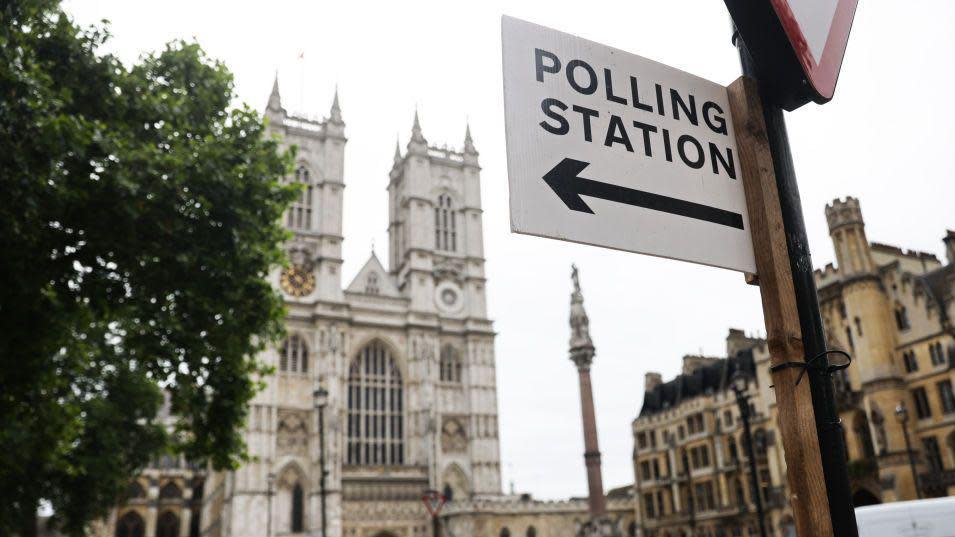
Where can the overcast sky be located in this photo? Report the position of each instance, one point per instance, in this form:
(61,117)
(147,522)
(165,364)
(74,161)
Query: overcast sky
(886,138)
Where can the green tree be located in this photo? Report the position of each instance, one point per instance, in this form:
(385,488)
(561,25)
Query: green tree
(139,217)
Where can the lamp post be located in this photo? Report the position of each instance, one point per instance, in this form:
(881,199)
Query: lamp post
(902,414)
(268,523)
(739,383)
(321,400)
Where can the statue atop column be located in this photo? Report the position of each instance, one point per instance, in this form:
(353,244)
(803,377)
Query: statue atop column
(582,354)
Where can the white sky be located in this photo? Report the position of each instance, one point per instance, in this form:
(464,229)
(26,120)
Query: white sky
(885,138)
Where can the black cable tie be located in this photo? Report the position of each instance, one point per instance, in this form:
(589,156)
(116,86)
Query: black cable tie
(812,363)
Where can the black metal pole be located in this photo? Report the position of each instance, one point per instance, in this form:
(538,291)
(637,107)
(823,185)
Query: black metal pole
(321,462)
(268,523)
(828,425)
(908,450)
(743,401)
(435,523)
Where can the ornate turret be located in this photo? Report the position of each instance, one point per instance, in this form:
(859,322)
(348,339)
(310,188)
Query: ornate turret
(470,152)
(334,125)
(847,229)
(418,143)
(275,100)
(335,116)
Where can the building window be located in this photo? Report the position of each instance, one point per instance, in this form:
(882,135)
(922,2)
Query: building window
(169,491)
(731,448)
(641,440)
(645,470)
(937,353)
(946,396)
(859,326)
(505,532)
(910,361)
(694,424)
(450,364)
(933,454)
(649,505)
(298,509)
(445,225)
(167,525)
(300,212)
(531,531)
(740,493)
(130,525)
(728,418)
(922,408)
(901,317)
(135,490)
(375,408)
(371,284)
(294,358)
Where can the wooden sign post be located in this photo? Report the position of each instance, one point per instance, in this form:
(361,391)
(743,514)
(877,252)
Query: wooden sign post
(796,416)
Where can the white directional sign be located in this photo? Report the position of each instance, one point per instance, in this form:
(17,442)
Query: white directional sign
(611,149)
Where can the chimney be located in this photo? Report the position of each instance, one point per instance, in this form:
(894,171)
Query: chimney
(651,381)
(949,241)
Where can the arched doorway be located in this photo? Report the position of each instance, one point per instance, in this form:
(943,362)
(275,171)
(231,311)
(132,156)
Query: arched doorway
(130,525)
(863,497)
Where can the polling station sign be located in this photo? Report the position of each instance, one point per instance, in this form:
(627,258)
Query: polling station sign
(611,149)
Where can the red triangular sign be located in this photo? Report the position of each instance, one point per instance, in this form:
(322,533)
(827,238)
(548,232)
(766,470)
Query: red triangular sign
(433,502)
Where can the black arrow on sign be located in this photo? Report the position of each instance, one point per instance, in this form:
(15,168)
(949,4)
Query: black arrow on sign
(569,186)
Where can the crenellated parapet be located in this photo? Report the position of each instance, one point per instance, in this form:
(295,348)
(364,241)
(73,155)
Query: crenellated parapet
(844,212)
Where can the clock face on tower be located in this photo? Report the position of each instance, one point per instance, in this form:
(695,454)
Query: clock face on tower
(296,281)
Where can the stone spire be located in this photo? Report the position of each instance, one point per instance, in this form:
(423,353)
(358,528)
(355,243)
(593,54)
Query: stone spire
(397,149)
(275,100)
(416,135)
(336,113)
(468,142)
(417,143)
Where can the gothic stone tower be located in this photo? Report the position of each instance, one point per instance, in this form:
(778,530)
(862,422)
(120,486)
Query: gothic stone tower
(871,336)
(436,245)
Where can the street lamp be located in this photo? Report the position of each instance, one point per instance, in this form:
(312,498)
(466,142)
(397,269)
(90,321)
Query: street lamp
(902,414)
(268,523)
(321,400)
(739,382)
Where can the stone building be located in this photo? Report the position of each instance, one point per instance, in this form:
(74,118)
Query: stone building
(406,354)
(691,471)
(892,311)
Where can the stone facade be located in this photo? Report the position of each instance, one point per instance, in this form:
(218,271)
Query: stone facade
(691,470)
(892,311)
(520,516)
(406,354)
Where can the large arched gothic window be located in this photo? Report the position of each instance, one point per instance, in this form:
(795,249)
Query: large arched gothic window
(445,225)
(130,525)
(375,408)
(294,356)
(450,364)
(300,213)
(168,525)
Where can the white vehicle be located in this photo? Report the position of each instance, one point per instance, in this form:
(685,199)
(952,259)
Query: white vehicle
(919,518)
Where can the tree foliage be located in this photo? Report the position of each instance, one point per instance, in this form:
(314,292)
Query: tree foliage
(139,217)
